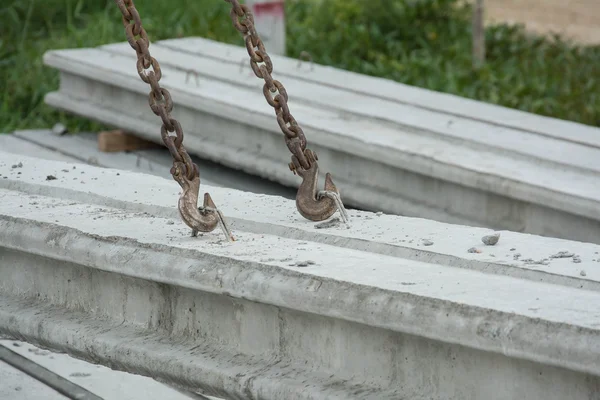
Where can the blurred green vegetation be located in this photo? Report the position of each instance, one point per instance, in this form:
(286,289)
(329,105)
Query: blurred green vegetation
(425,43)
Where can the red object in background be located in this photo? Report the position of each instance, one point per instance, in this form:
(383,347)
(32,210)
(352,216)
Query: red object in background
(270,8)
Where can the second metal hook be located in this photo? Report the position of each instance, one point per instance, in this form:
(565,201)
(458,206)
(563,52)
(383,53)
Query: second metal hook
(312,203)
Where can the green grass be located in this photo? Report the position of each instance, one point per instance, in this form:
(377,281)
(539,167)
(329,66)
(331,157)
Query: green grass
(424,43)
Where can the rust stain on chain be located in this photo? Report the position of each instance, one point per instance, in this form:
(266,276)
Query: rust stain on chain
(312,204)
(308,202)
(184,171)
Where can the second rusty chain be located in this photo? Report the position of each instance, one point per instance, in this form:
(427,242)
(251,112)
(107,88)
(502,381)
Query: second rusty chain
(294,136)
(312,204)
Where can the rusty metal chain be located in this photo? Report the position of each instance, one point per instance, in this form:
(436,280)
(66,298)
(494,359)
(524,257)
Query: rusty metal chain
(159,98)
(312,204)
(184,171)
(273,90)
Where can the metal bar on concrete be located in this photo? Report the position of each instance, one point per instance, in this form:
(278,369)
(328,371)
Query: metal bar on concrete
(47,377)
(97,379)
(16,385)
(393,308)
(385,154)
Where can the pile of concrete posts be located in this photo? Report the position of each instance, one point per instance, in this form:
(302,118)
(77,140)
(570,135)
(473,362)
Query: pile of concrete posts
(390,147)
(95,262)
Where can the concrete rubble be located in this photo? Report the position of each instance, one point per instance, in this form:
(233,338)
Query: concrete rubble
(434,155)
(96,263)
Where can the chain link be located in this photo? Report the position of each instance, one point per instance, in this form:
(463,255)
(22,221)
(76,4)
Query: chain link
(273,90)
(159,98)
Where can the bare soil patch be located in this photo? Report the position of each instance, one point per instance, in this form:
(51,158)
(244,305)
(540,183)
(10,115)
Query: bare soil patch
(578,20)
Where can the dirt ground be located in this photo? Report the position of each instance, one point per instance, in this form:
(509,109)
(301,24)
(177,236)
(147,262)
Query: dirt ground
(576,19)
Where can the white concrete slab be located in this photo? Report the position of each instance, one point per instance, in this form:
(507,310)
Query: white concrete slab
(384,154)
(382,310)
(515,254)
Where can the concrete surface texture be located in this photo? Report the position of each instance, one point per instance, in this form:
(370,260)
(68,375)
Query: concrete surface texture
(101,267)
(390,147)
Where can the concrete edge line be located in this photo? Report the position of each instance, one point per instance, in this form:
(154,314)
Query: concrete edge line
(486,181)
(320,237)
(513,335)
(47,377)
(205,368)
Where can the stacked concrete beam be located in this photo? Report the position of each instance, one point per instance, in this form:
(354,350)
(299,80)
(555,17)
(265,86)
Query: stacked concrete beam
(96,263)
(390,147)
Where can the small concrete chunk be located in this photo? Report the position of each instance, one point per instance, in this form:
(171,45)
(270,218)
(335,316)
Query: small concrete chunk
(562,254)
(490,240)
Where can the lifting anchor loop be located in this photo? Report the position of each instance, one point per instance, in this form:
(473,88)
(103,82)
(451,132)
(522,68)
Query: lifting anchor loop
(200,219)
(314,204)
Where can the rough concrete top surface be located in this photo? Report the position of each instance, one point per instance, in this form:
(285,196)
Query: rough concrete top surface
(542,166)
(406,274)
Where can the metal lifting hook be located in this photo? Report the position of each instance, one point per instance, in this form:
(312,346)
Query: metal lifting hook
(311,203)
(200,219)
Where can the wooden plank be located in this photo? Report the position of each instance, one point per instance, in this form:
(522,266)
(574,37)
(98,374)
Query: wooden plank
(118,140)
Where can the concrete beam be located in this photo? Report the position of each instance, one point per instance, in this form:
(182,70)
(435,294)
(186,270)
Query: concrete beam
(390,147)
(392,308)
